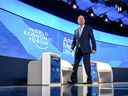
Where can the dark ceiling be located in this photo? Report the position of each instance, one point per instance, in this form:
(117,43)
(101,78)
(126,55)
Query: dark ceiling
(66,11)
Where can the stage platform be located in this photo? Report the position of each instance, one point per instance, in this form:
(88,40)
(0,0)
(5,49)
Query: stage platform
(105,89)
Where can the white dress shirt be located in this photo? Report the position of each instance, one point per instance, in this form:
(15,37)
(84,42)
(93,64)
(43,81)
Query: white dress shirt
(81,30)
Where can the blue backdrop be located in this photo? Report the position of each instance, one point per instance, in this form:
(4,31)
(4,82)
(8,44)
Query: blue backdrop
(23,38)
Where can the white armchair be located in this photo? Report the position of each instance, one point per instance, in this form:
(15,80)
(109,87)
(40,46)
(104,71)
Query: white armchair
(66,71)
(104,72)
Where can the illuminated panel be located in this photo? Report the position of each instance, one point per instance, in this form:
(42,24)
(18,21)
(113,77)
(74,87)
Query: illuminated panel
(24,38)
(55,22)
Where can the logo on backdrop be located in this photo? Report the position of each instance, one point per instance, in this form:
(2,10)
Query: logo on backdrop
(38,37)
(67,43)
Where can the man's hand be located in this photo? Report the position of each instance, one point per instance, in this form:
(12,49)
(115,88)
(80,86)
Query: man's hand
(93,51)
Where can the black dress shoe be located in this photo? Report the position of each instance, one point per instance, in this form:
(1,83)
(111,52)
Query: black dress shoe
(71,82)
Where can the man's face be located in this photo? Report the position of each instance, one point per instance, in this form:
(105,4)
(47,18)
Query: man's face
(81,20)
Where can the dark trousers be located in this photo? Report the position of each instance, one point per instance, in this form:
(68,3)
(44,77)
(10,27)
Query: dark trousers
(86,62)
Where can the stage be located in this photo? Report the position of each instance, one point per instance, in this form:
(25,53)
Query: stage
(106,89)
(36,41)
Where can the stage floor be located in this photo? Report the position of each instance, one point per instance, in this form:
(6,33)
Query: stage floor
(106,89)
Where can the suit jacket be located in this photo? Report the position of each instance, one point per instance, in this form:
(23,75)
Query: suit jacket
(84,40)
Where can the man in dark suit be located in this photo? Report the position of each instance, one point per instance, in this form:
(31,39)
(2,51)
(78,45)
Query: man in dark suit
(83,48)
